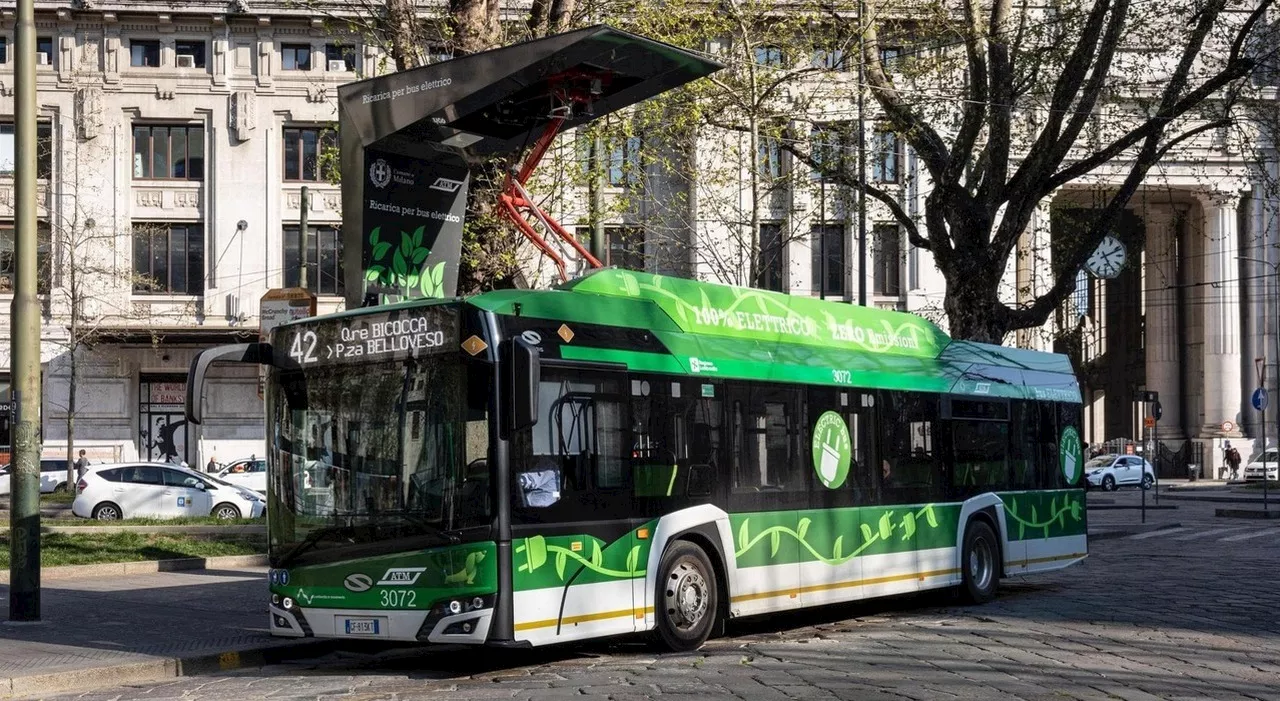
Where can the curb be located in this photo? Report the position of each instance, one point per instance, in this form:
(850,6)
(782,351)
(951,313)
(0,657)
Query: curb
(110,569)
(1131,530)
(191,530)
(1247,513)
(1131,507)
(1221,499)
(161,669)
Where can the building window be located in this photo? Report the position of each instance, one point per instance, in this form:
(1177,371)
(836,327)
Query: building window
(162,152)
(144,53)
(7,262)
(295,57)
(324,259)
(44,149)
(4,50)
(769,56)
(890,56)
(770,156)
(828,147)
(194,49)
(624,245)
(772,256)
(168,258)
(830,59)
(887,157)
(304,149)
(887,277)
(828,260)
(624,163)
(335,54)
(44,45)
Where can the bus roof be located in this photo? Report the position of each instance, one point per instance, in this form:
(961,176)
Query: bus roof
(711,330)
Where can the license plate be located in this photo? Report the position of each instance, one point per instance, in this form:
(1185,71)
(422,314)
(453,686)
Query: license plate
(362,626)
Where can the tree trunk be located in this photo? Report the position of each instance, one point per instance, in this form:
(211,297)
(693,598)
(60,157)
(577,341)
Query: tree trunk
(973,306)
(475,25)
(72,479)
(405,33)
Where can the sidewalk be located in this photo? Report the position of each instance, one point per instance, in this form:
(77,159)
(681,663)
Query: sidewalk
(103,631)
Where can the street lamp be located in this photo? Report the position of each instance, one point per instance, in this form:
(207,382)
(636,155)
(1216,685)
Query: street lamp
(1275,269)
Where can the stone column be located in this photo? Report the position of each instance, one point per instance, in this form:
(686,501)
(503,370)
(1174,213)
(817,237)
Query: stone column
(1163,333)
(1222,394)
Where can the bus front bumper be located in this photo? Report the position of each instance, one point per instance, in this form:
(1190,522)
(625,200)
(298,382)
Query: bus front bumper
(468,628)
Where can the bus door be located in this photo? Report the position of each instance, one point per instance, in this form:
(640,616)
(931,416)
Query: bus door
(769,480)
(841,437)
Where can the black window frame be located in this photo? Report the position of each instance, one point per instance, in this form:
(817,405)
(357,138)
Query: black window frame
(328,284)
(836,263)
(321,170)
(190,259)
(44,257)
(146,50)
(887,273)
(772,249)
(887,156)
(769,55)
(44,147)
(337,51)
(4,50)
(193,164)
(769,157)
(296,50)
(45,45)
(198,49)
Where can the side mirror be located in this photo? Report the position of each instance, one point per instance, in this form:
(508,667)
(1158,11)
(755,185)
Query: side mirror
(522,377)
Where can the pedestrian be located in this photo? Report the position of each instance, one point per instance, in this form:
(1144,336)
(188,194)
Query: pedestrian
(1233,460)
(82,465)
(213,464)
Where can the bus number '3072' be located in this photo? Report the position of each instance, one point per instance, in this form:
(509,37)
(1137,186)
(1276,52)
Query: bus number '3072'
(399,598)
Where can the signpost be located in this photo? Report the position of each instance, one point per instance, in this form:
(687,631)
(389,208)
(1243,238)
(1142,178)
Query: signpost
(1260,401)
(280,306)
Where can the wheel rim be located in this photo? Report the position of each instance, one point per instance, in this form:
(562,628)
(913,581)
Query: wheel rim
(687,595)
(981,566)
(1108,483)
(1147,481)
(227,512)
(108,513)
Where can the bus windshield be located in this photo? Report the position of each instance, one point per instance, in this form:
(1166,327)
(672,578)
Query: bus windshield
(376,458)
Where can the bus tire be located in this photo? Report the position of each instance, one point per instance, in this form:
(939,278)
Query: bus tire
(687,597)
(979,563)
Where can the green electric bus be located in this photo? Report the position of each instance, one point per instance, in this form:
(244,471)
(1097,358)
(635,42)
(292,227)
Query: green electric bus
(634,453)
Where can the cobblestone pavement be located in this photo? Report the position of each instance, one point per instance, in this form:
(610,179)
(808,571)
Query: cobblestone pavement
(1183,613)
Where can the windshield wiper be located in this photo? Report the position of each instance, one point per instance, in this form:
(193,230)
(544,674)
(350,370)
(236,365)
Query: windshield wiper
(421,521)
(313,538)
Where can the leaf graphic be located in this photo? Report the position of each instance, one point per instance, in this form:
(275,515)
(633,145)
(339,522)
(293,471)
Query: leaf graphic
(535,551)
(373,235)
(867,537)
(420,255)
(743,532)
(930,516)
(417,236)
(561,557)
(399,266)
(406,244)
(597,557)
(1053,507)
(633,560)
(802,528)
(775,541)
(372,274)
(412,281)
(1013,506)
(1033,514)
(1075,510)
(886,525)
(1022,528)
(380,250)
(424,283)
(838,551)
(908,525)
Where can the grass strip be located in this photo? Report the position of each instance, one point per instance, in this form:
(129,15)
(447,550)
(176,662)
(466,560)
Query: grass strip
(94,548)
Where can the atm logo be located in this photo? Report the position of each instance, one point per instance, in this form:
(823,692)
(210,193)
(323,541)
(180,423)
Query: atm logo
(446,185)
(401,576)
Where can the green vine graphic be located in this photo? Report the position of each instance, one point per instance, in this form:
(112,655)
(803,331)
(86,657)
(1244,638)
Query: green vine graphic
(1057,515)
(535,550)
(466,575)
(886,527)
(403,267)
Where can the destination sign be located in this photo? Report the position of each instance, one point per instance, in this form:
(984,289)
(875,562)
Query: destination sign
(393,335)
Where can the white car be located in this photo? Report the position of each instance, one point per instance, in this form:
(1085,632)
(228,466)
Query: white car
(160,490)
(250,474)
(1253,471)
(53,476)
(1113,471)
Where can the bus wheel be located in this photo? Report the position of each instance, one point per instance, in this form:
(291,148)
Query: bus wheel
(979,569)
(687,597)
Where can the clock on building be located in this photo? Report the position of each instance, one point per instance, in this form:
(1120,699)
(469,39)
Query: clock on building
(1107,259)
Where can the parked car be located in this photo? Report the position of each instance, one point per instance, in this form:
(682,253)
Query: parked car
(1253,471)
(160,490)
(250,474)
(53,476)
(1113,471)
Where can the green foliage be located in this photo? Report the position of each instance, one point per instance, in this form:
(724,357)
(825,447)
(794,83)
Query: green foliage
(92,548)
(399,264)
